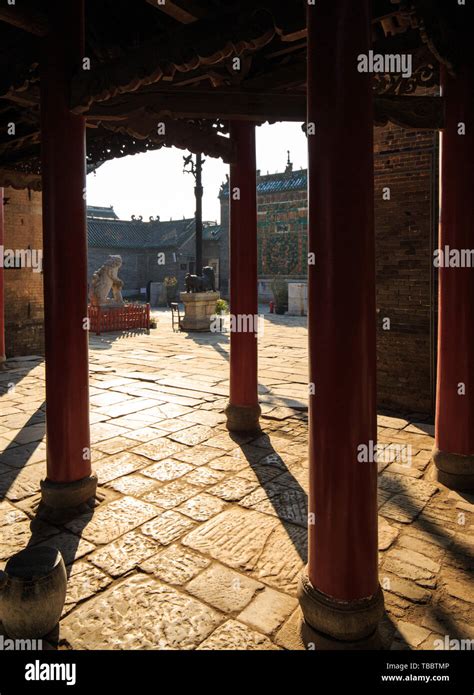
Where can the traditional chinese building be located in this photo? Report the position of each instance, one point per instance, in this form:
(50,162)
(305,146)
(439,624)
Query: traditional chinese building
(153,249)
(282,213)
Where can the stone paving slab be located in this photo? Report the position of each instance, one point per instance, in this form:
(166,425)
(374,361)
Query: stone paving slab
(118,465)
(18,456)
(201,507)
(201,535)
(113,520)
(170,495)
(14,538)
(84,581)
(10,515)
(198,455)
(71,546)
(236,636)
(224,589)
(167,527)
(175,565)
(166,470)
(16,485)
(268,611)
(134,485)
(139,613)
(124,554)
(158,450)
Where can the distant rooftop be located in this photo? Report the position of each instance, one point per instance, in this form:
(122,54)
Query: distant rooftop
(112,233)
(287,180)
(97,212)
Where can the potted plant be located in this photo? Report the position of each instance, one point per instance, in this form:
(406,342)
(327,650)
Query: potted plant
(280,295)
(222,308)
(171,283)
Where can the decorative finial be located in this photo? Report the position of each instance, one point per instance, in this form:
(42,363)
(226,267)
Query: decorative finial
(289,164)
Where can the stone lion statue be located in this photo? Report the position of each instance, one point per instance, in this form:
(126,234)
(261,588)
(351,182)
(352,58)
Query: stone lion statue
(201,283)
(104,280)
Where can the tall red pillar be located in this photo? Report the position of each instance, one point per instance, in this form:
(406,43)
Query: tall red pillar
(340,594)
(454,447)
(243,411)
(2,282)
(69,480)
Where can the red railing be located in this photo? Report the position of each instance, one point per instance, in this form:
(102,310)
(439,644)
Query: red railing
(123,318)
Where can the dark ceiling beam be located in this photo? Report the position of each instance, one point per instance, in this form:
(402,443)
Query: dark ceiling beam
(280,77)
(18,144)
(407,111)
(407,42)
(28,19)
(239,104)
(184,11)
(421,113)
(23,97)
(206,104)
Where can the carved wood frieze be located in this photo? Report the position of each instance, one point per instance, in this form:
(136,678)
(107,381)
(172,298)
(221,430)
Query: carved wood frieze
(205,42)
(17,179)
(188,135)
(161,70)
(425,74)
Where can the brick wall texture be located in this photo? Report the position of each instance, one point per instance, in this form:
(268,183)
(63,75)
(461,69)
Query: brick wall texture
(406,163)
(24,313)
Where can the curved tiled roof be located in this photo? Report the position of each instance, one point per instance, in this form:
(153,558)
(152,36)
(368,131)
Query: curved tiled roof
(276,183)
(132,234)
(100,212)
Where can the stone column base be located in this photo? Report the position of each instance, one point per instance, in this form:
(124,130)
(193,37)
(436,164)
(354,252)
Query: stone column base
(347,622)
(61,501)
(243,418)
(454,470)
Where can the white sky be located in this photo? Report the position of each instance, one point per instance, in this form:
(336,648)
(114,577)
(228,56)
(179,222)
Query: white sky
(153,183)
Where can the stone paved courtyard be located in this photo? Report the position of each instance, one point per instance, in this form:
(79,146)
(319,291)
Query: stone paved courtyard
(201,536)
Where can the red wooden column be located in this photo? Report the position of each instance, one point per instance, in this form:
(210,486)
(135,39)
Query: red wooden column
(454,448)
(69,481)
(2,282)
(243,411)
(340,595)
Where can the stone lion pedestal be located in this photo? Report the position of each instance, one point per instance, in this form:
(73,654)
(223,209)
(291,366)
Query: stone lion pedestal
(111,313)
(198,308)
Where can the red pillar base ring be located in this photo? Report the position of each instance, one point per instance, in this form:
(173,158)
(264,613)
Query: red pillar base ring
(66,500)
(344,621)
(243,418)
(454,470)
